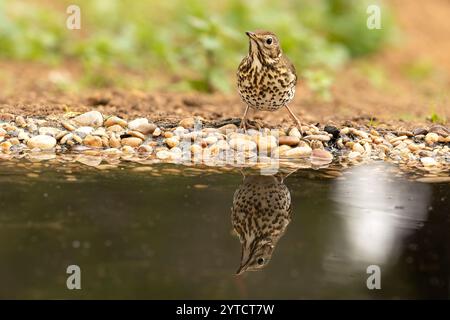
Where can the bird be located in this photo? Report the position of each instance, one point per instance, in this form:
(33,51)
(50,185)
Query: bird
(266,78)
(260,214)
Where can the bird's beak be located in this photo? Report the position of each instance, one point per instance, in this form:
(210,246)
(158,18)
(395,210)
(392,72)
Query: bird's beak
(241,269)
(251,35)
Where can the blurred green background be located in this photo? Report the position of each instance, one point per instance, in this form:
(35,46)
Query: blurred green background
(189,44)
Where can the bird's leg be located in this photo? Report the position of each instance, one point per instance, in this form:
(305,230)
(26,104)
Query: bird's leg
(294,117)
(244,119)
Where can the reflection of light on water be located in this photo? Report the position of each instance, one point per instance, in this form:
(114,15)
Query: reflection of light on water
(379,211)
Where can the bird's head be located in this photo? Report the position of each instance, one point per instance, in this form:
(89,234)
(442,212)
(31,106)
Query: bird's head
(255,255)
(264,45)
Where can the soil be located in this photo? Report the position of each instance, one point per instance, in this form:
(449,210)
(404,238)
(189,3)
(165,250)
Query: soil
(27,87)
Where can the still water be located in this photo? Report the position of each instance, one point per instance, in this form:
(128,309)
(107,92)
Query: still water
(166,232)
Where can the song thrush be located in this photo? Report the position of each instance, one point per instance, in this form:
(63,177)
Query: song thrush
(260,213)
(266,78)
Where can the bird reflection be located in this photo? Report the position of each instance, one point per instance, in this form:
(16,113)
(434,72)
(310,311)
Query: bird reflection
(260,213)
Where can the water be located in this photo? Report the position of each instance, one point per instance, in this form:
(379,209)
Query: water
(165,232)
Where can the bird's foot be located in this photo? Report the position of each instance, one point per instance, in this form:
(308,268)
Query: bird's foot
(243,126)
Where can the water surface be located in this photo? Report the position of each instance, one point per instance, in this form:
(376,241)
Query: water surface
(165,232)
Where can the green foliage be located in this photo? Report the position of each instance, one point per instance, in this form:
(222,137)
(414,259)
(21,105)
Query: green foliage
(199,42)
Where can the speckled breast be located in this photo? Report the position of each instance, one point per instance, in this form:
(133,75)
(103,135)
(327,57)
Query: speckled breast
(267,90)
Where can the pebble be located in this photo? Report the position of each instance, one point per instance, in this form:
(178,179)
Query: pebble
(136,134)
(20,121)
(43,142)
(440,130)
(320,157)
(228,128)
(137,123)
(294,132)
(163,154)
(49,131)
(428,161)
(68,125)
(146,128)
(114,142)
(297,152)
(419,131)
(145,149)
(431,138)
(358,148)
(172,142)
(156,132)
(289,140)
(93,141)
(5,146)
(91,118)
(187,123)
(111,121)
(354,154)
(115,128)
(242,144)
(131,142)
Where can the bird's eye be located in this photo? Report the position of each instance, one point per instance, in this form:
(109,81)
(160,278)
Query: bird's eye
(260,261)
(269,41)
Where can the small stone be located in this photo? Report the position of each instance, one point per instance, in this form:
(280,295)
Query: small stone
(211,140)
(332,130)
(319,137)
(431,138)
(91,118)
(440,130)
(242,144)
(320,157)
(316,144)
(420,131)
(298,152)
(401,138)
(228,128)
(171,142)
(93,141)
(413,147)
(289,140)
(42,142)
(137,123)
(145,148)
(187,123)
(114,142)
(156,132)
(2,132)
(358,148)
(163,154)
(20,121)
(115,128)
(146,128)
(84,131)
(354,155)
(68,125)
(196,149)
(77,138)
(136,134)
(111,121)
(49,131)
(131,142)
(127,149)
(14,141)
(428,162)
(5,146)
(294,132)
